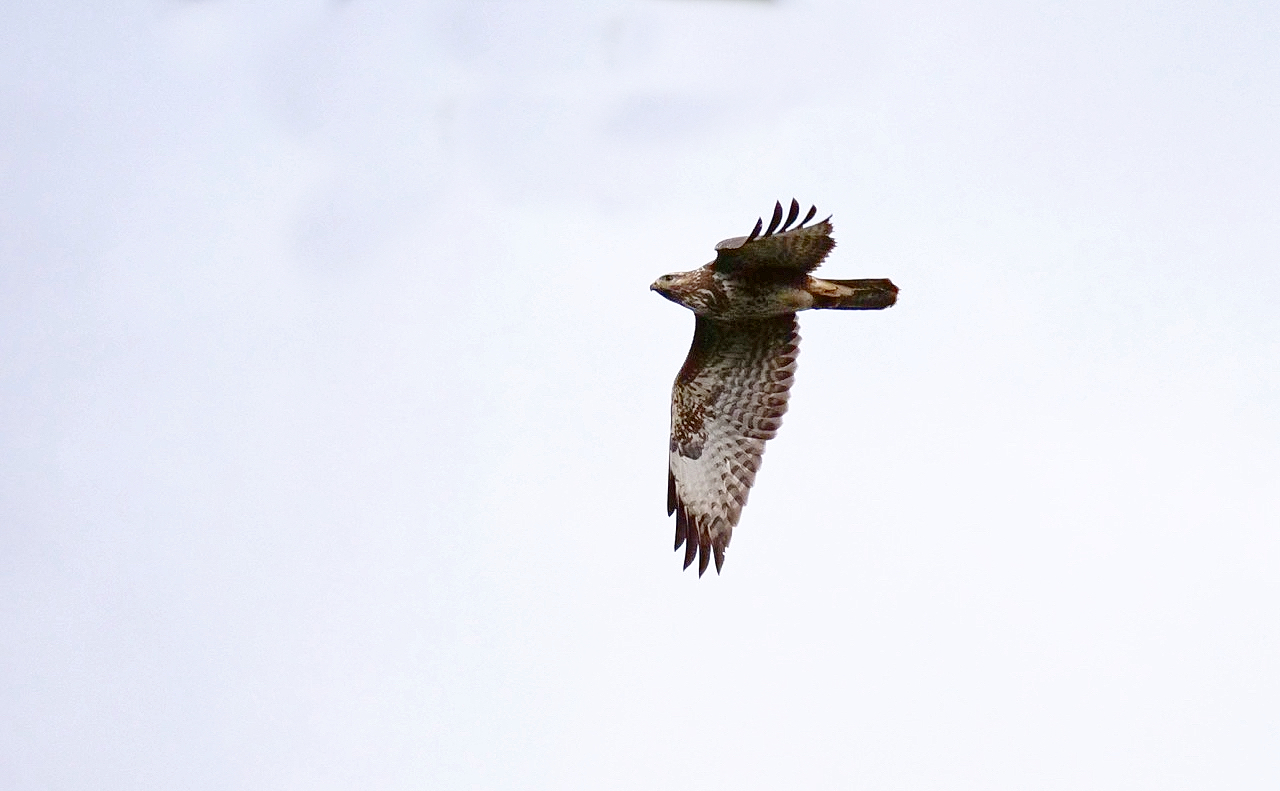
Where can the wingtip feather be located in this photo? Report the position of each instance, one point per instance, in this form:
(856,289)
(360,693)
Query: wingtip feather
(691,540)
(777,218)
(791,215)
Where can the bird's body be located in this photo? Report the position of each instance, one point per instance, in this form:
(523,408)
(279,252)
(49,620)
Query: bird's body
(731,393)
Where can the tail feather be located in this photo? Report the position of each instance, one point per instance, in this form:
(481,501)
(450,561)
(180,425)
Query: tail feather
(873,294)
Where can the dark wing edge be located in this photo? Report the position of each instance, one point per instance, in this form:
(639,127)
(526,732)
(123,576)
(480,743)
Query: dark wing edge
(800,249)
(721,417)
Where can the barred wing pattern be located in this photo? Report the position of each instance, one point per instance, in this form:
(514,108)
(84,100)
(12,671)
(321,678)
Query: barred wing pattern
(728,400)
(793,252)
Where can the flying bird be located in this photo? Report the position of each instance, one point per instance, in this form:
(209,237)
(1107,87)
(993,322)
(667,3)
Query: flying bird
(731,393)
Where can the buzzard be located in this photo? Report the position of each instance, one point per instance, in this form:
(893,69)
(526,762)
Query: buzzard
(729,397)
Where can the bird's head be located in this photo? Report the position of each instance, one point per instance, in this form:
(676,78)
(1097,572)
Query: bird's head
(686,288)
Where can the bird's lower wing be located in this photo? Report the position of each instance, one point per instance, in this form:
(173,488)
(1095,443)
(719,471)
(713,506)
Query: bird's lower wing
(728,400)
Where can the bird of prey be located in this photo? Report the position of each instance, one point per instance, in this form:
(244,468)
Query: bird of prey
(729,396)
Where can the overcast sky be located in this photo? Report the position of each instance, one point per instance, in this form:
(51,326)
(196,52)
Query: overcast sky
(333,399)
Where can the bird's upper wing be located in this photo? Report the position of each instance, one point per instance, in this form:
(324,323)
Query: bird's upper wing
(727,401)
(799,250)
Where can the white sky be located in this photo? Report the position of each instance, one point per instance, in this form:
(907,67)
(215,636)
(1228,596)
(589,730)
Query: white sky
(333,403)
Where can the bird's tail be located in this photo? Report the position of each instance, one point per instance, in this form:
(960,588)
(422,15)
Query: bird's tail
(874,294)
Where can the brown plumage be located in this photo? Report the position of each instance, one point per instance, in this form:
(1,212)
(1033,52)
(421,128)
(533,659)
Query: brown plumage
(731,393)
